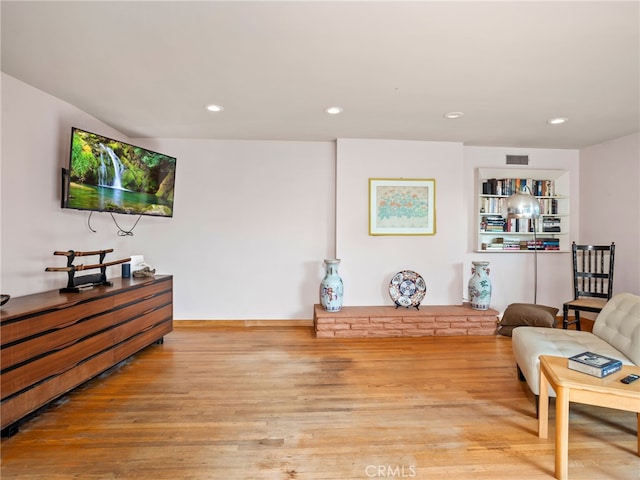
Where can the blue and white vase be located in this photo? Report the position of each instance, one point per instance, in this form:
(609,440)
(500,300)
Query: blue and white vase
(480,286)
(331,290)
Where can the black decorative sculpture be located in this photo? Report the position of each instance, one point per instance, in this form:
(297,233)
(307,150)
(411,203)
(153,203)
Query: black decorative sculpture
(77,284)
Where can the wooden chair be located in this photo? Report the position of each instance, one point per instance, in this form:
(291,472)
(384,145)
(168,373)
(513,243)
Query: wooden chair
(592,280)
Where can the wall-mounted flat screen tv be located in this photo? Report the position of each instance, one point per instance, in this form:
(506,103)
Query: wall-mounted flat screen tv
(108,175)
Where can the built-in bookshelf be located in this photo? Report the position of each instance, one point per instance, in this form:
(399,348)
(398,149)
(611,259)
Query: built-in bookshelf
(498,234)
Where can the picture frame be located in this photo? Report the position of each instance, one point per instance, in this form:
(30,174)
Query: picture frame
(402,206)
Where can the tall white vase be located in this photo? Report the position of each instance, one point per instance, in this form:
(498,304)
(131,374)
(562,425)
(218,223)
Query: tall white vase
(480,286)
(331,289)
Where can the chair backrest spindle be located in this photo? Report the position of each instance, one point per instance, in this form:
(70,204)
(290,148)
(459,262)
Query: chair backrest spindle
(593,270)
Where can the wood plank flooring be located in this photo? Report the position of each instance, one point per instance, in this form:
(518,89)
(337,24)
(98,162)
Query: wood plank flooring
(253,403)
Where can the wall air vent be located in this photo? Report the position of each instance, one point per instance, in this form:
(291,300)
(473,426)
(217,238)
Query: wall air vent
(517,159)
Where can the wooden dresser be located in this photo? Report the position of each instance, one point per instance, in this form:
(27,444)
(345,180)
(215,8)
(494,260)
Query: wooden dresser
(52,342)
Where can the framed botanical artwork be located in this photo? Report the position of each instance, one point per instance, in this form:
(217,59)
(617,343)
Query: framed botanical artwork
(402,206)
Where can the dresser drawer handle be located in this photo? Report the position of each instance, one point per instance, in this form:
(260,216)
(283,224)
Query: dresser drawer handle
(66,345)
(67,305)
(65,325)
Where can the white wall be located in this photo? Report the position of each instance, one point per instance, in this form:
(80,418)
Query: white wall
(369,262)
(36,131)
(252,224)
(444,260)
(610,205)
(252,220)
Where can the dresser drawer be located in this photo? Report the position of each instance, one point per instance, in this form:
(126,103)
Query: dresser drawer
(53,341)
(52,320)
(54,363)
(142,293)
(139,341)
(30,400)
(141,323)
(149,304)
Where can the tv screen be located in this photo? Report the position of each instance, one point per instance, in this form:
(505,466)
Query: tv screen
(107,175)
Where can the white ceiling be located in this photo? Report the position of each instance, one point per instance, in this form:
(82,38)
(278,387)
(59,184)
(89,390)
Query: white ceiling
(148,68)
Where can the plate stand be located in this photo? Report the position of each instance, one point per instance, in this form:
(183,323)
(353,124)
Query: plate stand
(417,305)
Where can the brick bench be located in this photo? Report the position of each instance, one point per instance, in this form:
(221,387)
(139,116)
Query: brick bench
(389,321)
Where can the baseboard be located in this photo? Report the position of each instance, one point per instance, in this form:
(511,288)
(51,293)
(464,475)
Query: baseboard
(587,325)
(242,323)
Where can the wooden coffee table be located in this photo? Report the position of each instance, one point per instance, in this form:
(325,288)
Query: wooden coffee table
(573,386)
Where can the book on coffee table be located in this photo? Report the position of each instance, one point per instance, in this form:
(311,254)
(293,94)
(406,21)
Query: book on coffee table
(594,364)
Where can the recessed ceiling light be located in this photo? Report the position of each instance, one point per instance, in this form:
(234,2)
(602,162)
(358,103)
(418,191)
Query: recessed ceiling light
(214,108)
(333,110)
(557,121)
(453,115)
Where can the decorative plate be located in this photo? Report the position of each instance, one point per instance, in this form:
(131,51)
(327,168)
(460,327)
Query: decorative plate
(407,288)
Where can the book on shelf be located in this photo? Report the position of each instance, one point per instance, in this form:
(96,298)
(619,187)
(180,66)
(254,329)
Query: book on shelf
(519,225)
(492,223)
(548,206)
(509,186)
(543,244)
(492,205)
(535,244)
(511,244)
(496,244)
(551,224)
(594,364)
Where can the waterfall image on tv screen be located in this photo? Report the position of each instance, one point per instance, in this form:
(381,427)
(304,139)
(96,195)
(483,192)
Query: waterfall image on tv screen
(107,175)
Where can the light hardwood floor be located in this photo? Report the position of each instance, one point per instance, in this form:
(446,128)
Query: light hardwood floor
(255,403)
